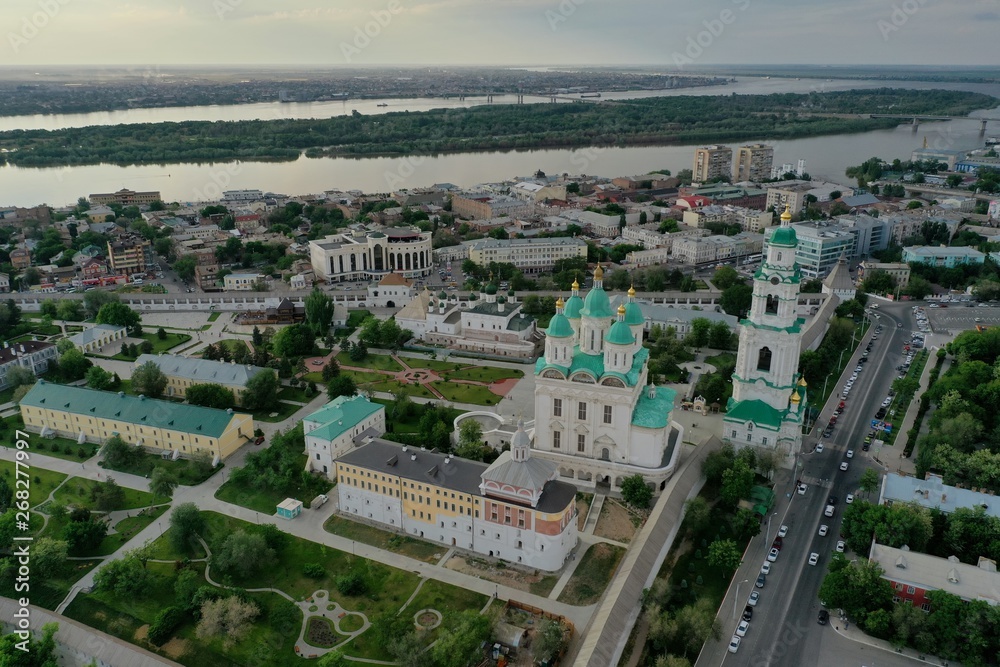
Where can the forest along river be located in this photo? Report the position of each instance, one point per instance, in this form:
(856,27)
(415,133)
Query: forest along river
(826,156)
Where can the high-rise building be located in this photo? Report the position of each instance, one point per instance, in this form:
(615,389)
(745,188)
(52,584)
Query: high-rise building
(753,162)
(711,162)
(127,254)
(769,395)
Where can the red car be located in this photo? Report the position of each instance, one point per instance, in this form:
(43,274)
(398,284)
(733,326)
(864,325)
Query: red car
(777,543)
(259,441)
(842,405)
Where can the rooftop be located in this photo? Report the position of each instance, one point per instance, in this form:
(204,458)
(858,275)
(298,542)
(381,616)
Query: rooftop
(341,415)
(969,582)
(10,352)
(934,493)
(93,333)
(201,370)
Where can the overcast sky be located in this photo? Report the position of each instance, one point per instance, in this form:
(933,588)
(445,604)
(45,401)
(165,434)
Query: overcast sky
(500,32)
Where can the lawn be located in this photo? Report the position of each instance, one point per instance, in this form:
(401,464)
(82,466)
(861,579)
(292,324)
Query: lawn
(266,501)
(356,317)
(596,569)
(722,359)
(188,472)
(214,316)
(281,413)
(172,340)
(6,395)
(432,364)
(128,528)
(62,448)
(48,592)
(364,377)
(376,362)
(43,482)
(76,492)
(294,394)
(393,386)
(162,548)
(466,393)
(485,374)
(383,539)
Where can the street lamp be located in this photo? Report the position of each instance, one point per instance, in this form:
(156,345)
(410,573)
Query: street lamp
(737,598)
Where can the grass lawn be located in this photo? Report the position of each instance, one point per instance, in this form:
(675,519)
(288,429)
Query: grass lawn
(280,413)
(172,340)
(214,316)
(596,569)
(6,395)
(76,492)
(485,374)
(432,364)
(162,549)
(188,472)
(722,359)
(383,539)
(42,481)
(57,447)
(376,362)
(356,317)
(545,586)
(466,393)
(294,394)
(48,592)
(128,528)
(266,501)
(393,386)
(364,377)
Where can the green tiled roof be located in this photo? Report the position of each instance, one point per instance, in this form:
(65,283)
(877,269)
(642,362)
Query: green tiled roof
(573,307)
(654,412)
(633,314)
(131,409)
(794,329)
(593,364)
(756,411)
(620,334)
(559,327)
(340,415)
(784,236)
(597,304)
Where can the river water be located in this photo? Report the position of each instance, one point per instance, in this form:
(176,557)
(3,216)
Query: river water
(826,156)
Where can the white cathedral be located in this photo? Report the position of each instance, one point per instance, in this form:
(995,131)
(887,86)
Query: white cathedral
(768,402)
(596,417)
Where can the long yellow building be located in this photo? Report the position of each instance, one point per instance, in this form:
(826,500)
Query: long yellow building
(158,426)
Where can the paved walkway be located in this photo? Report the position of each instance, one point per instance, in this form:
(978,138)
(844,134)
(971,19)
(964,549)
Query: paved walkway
(593,514)
(605,637)
(896,458)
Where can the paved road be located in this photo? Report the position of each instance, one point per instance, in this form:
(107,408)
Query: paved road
(783,631)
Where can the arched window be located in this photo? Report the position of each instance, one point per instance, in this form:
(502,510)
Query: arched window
(772,305)
(778,258)
(764,359)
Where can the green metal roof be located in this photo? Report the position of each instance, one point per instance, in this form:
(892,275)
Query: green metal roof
(593,365)
(340,415)
(620,334)
(192,419)
(633,314)
(559,327)
(654,412)
(573,307)
(785,237)
(491,289)
(597,304)
(756,411)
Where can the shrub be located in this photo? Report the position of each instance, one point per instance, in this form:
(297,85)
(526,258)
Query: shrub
(352,584)
(313,570)
(162,628)
(82,453)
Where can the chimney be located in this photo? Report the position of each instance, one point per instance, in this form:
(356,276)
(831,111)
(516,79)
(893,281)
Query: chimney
(413,457)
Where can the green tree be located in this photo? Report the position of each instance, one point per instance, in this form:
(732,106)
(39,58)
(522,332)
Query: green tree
(470,440)
(720,336)
(725,555)
(69,310)
(342,385)
(37,652)
(118,314)
(319,312)
(737,482)
(294,340)
(20,376)
(107,495)
(698,514)
(869,481)
(98,378)
(186,524)
(162,483)
(725,277)
(48,557)
(700,329)
(331,370)
(878,282)
(856,587)
(746,523)
(550,640)
(462,645)
(242,555)
(148,380)
(261,392)
(83,537)
(210,396)
(73,365)
(736,300)
(636,492)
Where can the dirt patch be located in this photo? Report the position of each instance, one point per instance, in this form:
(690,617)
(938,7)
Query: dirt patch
(616,522)
(141,633)
(582,507)
(507,576)
(176,647)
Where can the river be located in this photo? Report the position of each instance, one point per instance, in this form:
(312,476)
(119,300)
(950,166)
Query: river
(826,156)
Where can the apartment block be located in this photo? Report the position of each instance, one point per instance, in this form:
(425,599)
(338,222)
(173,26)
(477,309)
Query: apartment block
(753,162)
(529,255)
(712,162)
(127,254)
(125,197)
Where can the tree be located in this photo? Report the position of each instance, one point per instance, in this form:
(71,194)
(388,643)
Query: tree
(331,370)
(319,312)
(736,300)
(725,277)
(149,380)
(162,483)
(20,376)
(294,340)
(242,555)
(717,463)
(185,267)
(119,314)
(48,557)
(210,396)
(125,577)
(462,645)
(878,282)
(333,659)
(98,378)
(697,514)
(107,495)
(227,617)
(720,337)
(261,392)
(725,555)
(549,641)
(186,523)
(736,483)
(746,523)
(342,385)
(869,481)
(858,588)
(73,365)
(69,310)
(636,492)
(700,328)
(17,651)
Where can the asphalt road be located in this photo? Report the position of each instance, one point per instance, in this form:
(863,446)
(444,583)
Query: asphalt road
(783,631)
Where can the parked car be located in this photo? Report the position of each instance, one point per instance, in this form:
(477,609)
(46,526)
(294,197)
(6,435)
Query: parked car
(747,613)
(761,578)
(823,530)
(823,617)
(813,558)
(783,531)
(259,440)
(754,598)
(734,644)
(772,555)
(741,629)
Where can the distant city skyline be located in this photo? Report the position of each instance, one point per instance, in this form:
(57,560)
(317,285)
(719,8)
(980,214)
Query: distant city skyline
(498,32)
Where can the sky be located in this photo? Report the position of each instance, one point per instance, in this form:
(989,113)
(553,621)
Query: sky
(499,32)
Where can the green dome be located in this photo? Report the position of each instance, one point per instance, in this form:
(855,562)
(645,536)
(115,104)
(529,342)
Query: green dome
(442,295)
(597,304)
(620,334)
(633,314)
(573,306)
(491,289)
(501,299)
(785,237)
(510,292)
(559,327)
(473,297)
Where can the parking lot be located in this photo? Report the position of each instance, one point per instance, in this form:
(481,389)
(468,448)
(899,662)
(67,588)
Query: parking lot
(959,316)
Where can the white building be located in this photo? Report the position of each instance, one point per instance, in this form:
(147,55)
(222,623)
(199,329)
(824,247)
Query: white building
(595,416)
(97,336)
(337,427)
(393,291)
(241,282)
(31,354)
(766,409)
(363,255)
(529,255)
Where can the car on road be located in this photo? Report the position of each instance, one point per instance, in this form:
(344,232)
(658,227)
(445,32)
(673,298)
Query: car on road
(734,644)
(843,466)
(772,555)
(849,453)
(832,500)
(747,613)
(827,433)
(802,489)
(765,569)
(316,362)
(259,440)
(761,578)
(840,546)
(865,447)
(813,558)
(850,498)
(741,629)
(777,544)
(783,531)
(823,530)
(819,448)
(823,617)
(754,598)
(828,511)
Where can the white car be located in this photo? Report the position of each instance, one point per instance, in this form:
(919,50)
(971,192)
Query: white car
(765,569)
(734,644)
(753,599)
(741,629)
(783,531)
(819,448)
(844,466)
(840,546)
(813,559)
(802,489)
(850,453)
(823,529)
(850,498)
(772,555)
